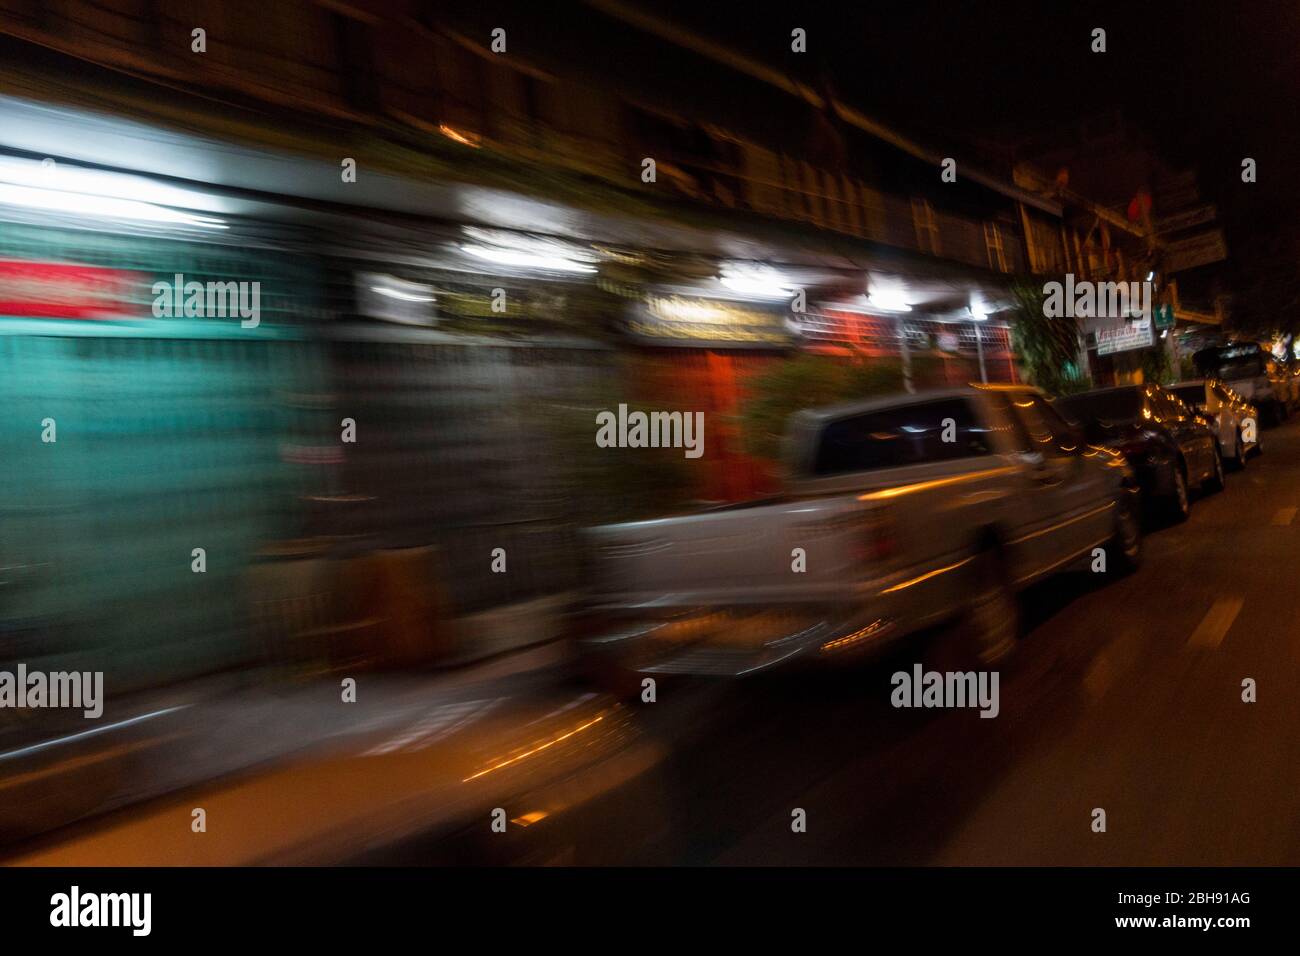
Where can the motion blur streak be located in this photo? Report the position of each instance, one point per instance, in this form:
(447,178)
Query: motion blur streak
(925,577)
(34,748)
(534,751)
(936,483)
(304,340)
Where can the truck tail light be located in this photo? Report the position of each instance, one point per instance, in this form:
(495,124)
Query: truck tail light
(880,536)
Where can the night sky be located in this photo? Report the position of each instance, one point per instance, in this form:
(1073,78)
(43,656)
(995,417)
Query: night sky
(1210,82)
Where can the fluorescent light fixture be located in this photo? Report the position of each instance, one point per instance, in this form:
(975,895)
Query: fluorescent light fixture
(527,252)
(527,260)
(888,300)
(87,205)
(869,305)
(398,294)
(94,192)
(887,294)
(757,280)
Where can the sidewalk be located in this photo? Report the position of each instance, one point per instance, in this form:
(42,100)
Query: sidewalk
(168,740)
(425,787)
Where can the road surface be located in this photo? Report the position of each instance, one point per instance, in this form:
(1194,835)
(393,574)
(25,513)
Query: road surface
(1126,698)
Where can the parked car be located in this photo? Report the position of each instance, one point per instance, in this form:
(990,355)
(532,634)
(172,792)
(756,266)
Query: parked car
(901,512)
(1250,371)
(1234,420)
(1170,447)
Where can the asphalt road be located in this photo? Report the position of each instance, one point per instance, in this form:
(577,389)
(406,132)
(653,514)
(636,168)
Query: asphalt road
(1125,697)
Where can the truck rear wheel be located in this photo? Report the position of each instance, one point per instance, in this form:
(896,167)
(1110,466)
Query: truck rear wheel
(989,625)
(993,616)
(1127,543)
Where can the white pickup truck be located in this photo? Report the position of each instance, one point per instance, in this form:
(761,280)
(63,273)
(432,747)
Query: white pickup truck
(900,513)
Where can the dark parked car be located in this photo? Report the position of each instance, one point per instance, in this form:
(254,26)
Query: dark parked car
(1168,444)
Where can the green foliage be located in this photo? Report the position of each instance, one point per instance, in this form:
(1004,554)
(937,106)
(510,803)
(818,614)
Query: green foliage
(1049,347)
(1071,386)
(1156,366)
(808,381)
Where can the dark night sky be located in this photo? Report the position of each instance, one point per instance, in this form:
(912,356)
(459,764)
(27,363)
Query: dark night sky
(1210,82)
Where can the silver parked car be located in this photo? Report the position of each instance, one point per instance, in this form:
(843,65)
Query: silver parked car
(900,512)
(1235,420)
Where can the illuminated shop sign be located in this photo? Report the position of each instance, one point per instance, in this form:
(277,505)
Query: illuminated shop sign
(1124,339)
(61,290)
(683,320)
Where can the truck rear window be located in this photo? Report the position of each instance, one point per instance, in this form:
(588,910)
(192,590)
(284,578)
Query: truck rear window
(1230,362)
(911,435)
(1111,405)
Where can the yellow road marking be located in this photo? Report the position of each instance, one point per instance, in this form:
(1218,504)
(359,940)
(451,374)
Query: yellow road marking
(1214,626)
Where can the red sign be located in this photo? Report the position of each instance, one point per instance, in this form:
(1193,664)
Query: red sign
(1139,206)
(64,290)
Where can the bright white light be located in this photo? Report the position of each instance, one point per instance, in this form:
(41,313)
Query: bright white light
(1150,276)
(888,300)
(528,252)
(397,294)
(887,295)
(978,311)
(527,260)
(87,205)
(687,310)
(95,182)
(756,280)
(95,192)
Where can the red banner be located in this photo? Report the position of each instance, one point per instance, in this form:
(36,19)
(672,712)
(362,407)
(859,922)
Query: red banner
(63,290)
